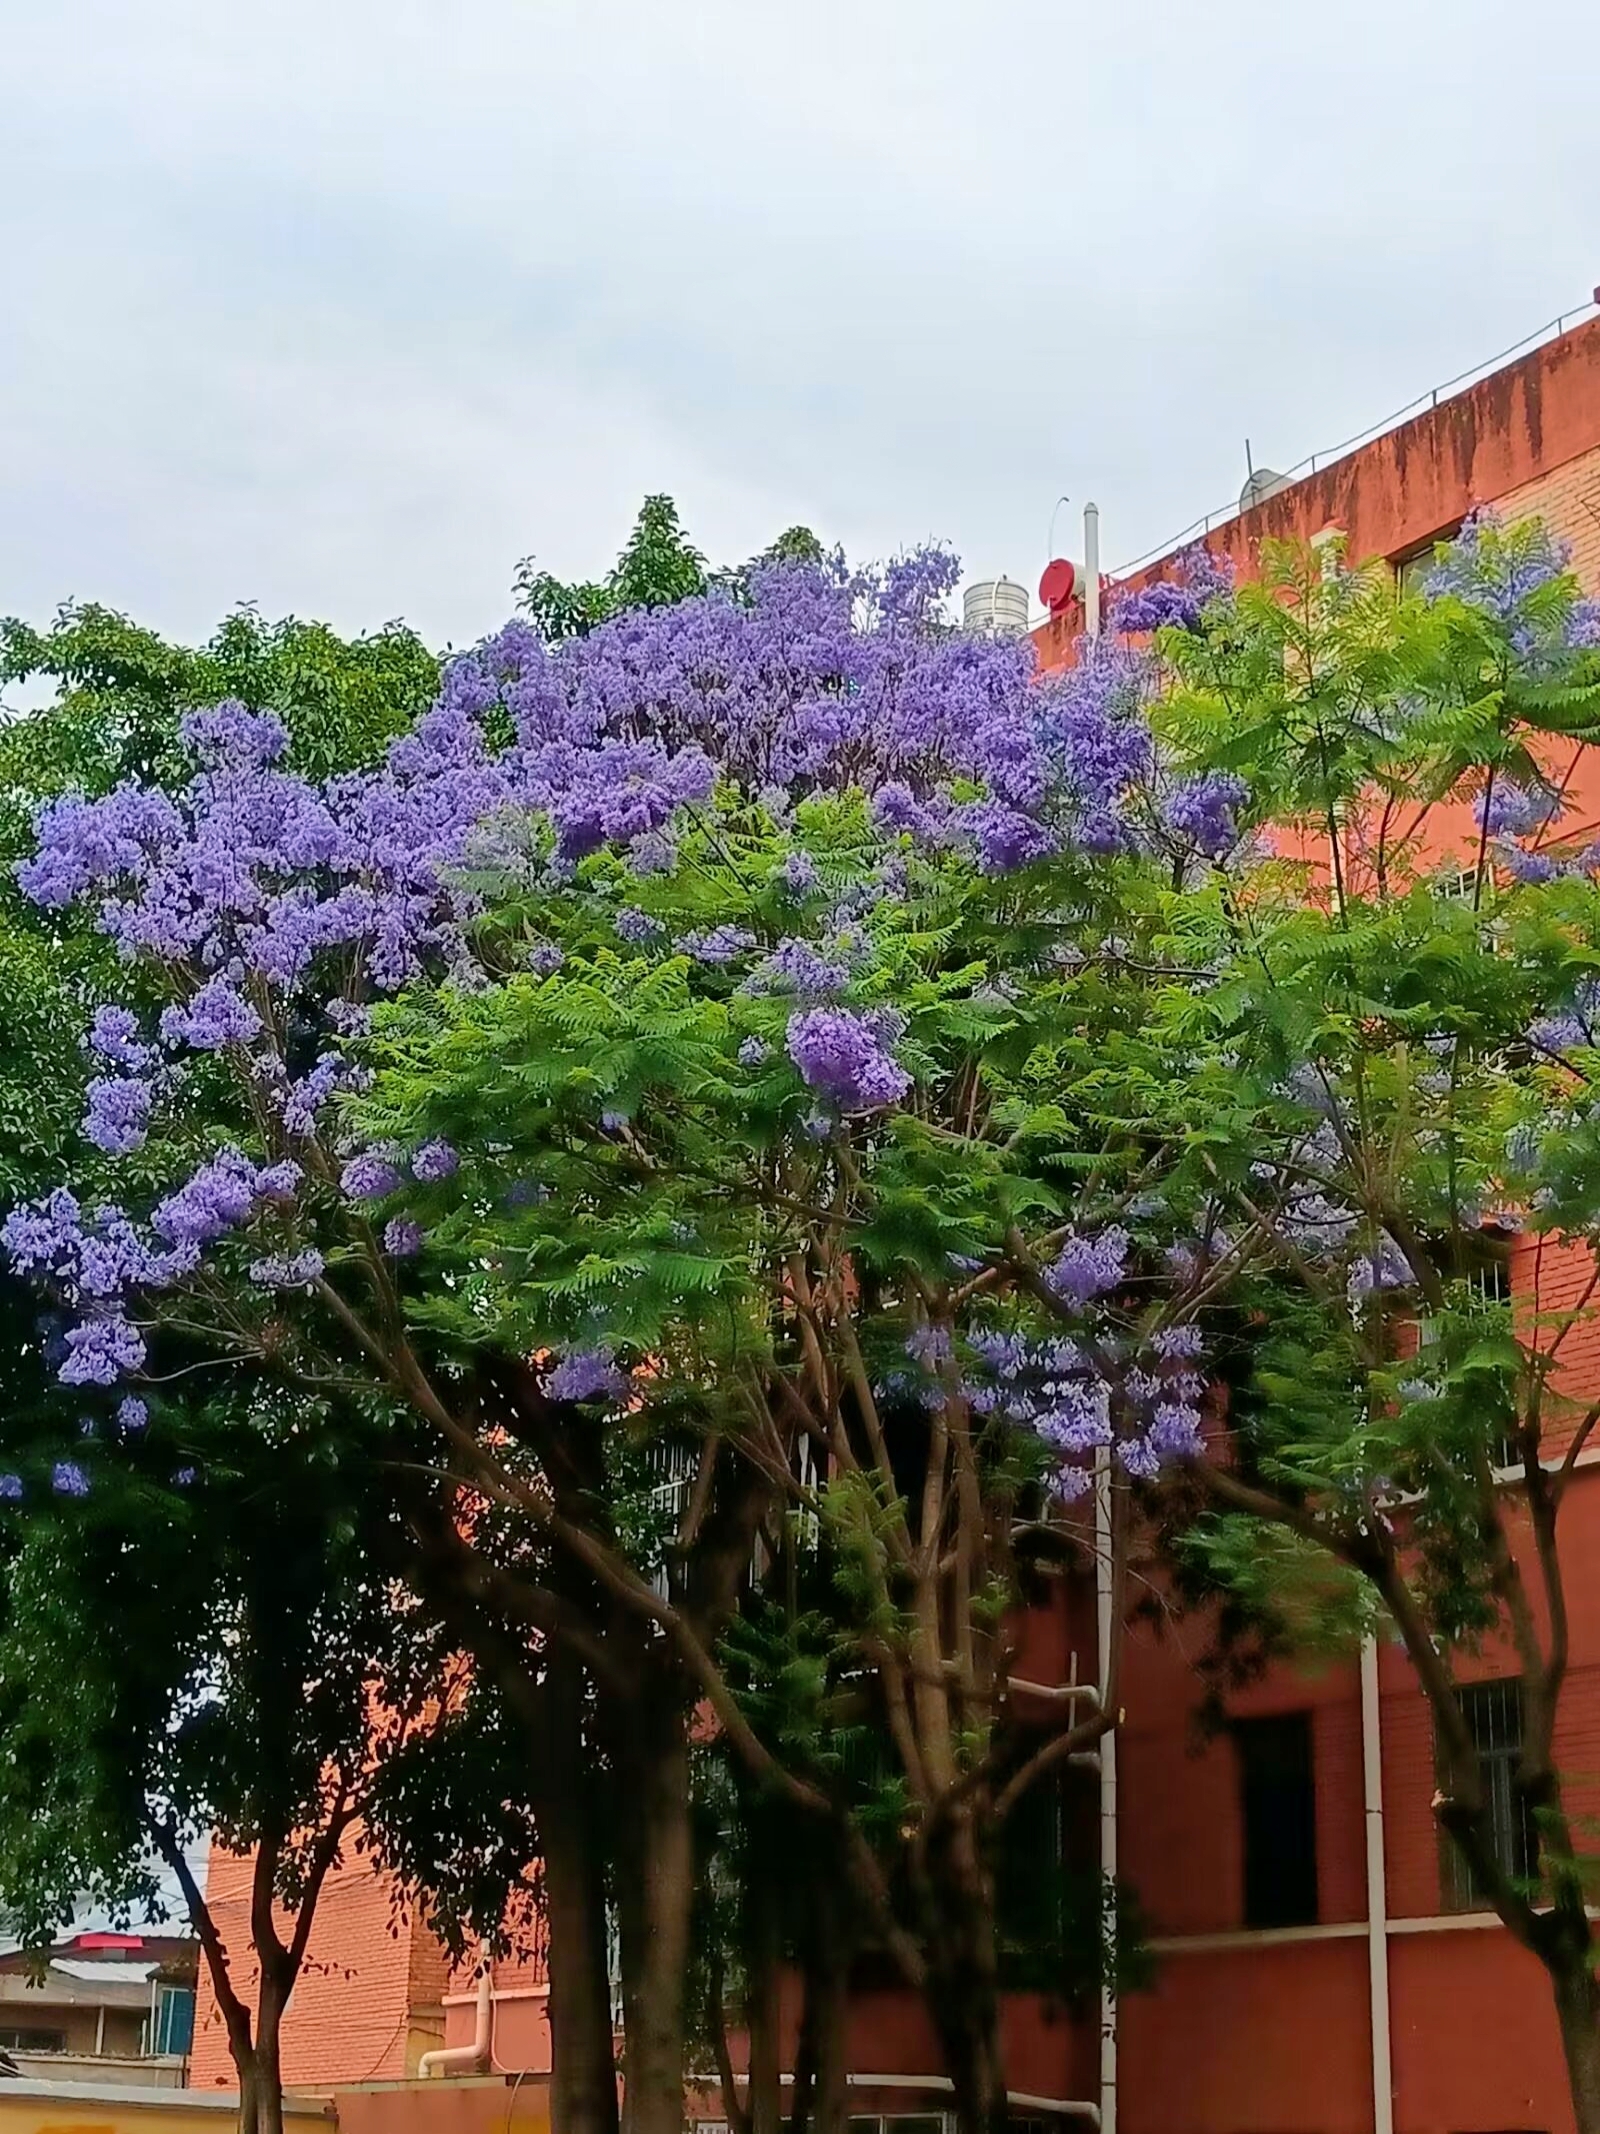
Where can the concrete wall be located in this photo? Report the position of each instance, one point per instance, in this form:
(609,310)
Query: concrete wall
(486,2104)
(78,2108)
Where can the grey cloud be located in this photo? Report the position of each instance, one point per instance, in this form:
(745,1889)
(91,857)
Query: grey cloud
(343,307)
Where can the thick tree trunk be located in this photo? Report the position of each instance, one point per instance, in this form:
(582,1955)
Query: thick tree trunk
(1578,2012)
(270,2005)
(831,2093)
(244,2067)
(765,1955)
(654,1905)
(583,2078)
(963,1990)
(821,2100)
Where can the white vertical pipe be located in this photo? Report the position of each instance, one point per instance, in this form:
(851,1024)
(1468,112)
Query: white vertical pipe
(1091,570)
(1377,1893)
(1105,1601)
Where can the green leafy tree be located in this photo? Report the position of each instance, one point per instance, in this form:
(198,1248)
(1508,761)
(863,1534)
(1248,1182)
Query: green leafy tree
(658,567)
(1375,1099)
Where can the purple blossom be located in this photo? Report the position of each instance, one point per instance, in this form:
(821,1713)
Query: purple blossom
(184,1477)
(1087,1267)
(1515,810)
(43,1238)
(11,1490)
(369,1177)
(216,1016)
(752,1051)
(716,944)
(795,966)
(799,874)
(303,1100)
(544,959)
(114,1037)
(435,1160)
(101,1351)
(840,1056)
(218,1198)
(132,1416)
(1175,603)
(295,1270)
(1528,867)
(232,738)
(1379,1266)
(1201,810)
(117,1119)
(402,1238)
(929,1345)
(587,1374)
(279,1181)
(637,927)
(1173,1342)
(68,1479)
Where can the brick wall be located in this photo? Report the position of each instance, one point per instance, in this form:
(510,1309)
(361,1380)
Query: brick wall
(1567,498)
(368,1999)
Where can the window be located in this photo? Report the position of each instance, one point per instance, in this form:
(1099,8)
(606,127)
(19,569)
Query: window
(1030,1884)
(1410,572)
(1493,1712)
(1278,1808)
(1485,1268)
(172,2029)
(29,2040)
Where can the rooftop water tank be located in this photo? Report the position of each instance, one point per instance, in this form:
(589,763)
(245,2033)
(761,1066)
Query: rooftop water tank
(1263,482)
(996,607)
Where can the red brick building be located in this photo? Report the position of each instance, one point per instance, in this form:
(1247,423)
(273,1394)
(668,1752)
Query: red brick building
(1351,1989)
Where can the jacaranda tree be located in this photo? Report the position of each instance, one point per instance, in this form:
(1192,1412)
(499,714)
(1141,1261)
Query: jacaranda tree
(679,1076)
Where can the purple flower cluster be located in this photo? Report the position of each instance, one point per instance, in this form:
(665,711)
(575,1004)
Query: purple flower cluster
(795,966)
(1516,810)
(117,1117)
(369,1177)
(717,945)
(1089,1267)
(587,1374)
(1512,575)
(215,1016)
(842,1056)
(435,1160)
(1177,602)
(637,927)
(114,1037)
(294,1270)
(1378,1266)
(402,1238)
(1201,811)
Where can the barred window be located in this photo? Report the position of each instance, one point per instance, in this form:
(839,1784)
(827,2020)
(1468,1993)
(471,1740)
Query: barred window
(1493,1712)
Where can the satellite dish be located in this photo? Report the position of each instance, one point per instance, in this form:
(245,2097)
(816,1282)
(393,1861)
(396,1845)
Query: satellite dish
(1263,482)
(1057,586)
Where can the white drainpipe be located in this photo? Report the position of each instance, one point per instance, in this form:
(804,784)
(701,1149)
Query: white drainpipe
(1105,1601)
(470,2059)
(1377,1893)
(1091,570)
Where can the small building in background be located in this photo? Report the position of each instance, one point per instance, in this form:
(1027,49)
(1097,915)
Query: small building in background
(101,2007)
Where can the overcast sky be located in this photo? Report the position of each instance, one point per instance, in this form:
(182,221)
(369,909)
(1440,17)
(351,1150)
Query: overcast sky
(344,305)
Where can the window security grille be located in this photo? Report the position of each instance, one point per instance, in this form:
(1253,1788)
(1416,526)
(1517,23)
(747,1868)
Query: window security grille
(1493,1712)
